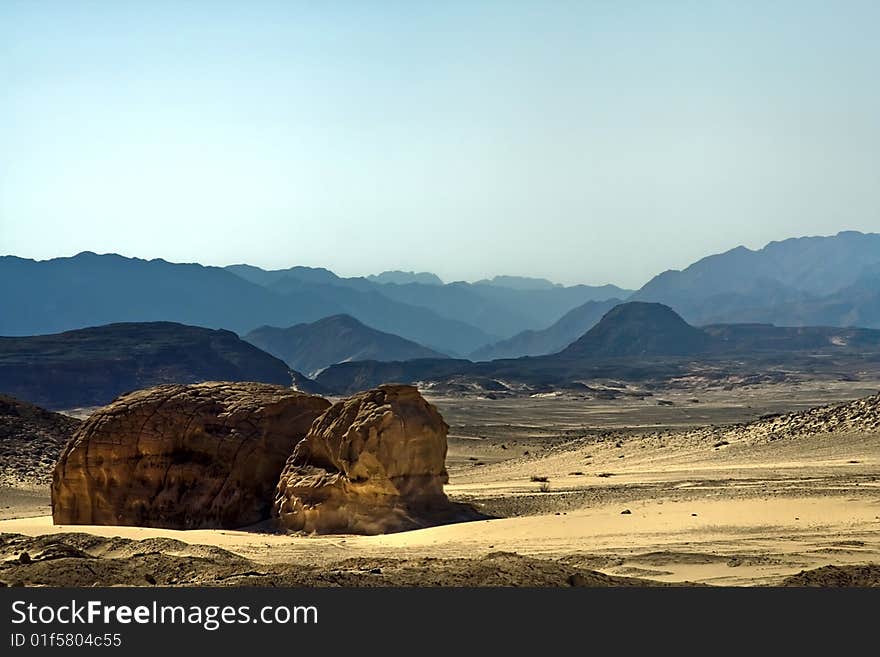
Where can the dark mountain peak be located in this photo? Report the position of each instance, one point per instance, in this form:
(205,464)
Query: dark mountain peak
(787,281)
(86,257)
(519,282)
(739,251)
(342,320)
(552,339)
(135,332)
(270,277)
(399,277)
(640,328)
(852,234)
(310,348)
(643,311)
(840,237)
(313,273)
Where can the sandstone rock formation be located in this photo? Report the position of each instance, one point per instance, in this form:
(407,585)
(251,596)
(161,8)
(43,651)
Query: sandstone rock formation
(373,463)
(182,456)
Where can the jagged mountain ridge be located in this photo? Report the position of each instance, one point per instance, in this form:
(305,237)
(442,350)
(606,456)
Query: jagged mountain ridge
(88,289)
(806,281)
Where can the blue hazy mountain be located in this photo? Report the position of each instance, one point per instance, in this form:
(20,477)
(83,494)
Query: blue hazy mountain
(495,309)
(405,277)
(88,290)
(554,338)
(309,348)
(804,281)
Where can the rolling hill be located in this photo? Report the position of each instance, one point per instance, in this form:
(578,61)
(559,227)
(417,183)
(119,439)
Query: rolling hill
(309,348)
(638,329)
(89,367)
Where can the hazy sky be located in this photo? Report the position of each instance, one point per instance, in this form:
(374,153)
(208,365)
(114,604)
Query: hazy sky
(585,142)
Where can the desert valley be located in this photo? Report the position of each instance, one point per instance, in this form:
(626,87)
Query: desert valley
(720,426)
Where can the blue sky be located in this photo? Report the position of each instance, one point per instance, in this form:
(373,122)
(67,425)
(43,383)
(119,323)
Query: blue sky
(585,142)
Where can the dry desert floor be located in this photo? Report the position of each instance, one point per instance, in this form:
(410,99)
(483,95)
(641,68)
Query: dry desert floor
(581,491)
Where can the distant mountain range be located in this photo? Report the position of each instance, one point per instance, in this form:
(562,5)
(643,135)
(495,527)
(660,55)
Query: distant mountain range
(501,307)
(405,277)
(639,341)
(638,329)
(554,338)
(807,281)
(90,289)
(309,348)
(522,283)
(91,366)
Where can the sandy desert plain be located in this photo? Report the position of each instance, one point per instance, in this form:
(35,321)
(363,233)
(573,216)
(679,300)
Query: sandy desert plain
(708,487)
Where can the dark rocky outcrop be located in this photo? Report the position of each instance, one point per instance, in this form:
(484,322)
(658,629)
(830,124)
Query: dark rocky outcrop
(639,329)
(79,559)
(89,367)
(851,575)
(182,457)
(31,438)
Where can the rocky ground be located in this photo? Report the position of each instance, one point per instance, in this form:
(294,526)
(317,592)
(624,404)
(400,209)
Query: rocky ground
(31,439)
(858,416)
(80,559)
(77,559)
(596,492)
